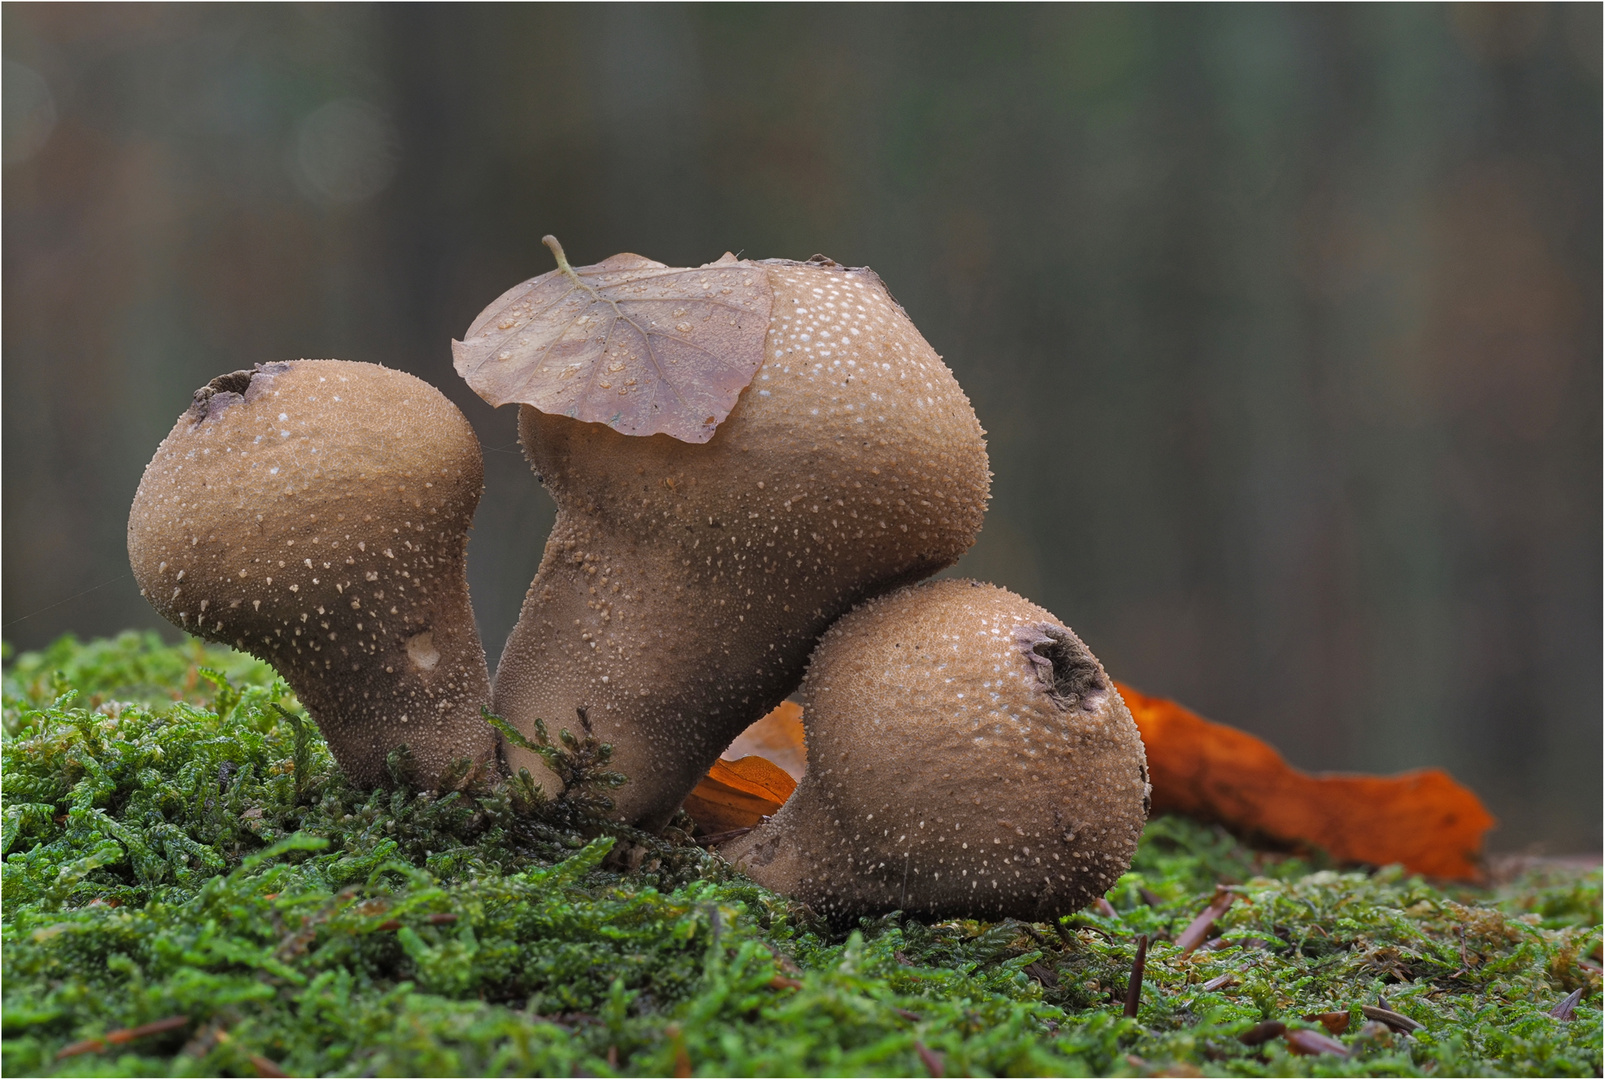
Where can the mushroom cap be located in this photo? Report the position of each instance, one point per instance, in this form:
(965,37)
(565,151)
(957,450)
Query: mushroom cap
(851,411)
(851,464)
(968,756)
(315,513)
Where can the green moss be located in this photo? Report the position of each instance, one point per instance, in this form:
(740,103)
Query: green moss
(172,848)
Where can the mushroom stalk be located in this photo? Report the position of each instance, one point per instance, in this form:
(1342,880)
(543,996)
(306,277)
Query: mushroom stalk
(315,514)
(685,584)
(967,757)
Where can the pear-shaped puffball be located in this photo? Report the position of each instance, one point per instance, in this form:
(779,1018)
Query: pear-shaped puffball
(967,756)
(685,584)
(315,514)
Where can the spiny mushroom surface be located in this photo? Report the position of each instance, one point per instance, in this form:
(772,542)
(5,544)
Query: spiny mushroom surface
(315,514)
(684,584)
(967,756)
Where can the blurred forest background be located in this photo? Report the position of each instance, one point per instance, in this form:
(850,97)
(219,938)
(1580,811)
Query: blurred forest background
(1285,322)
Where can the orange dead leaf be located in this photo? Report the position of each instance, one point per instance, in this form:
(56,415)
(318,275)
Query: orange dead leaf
(1422,818)
(738,794)
(778,737)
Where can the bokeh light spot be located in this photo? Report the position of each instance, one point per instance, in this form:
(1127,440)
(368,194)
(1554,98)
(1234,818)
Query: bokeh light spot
(346,151)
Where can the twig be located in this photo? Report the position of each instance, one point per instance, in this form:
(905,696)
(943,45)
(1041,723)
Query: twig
(439,918)
(1304,1041)
(120,1036)
(682,1058)
(1395,1020)
(1134,986)
(715,839)
(1198,930)
(266,1066)
(1262,1032)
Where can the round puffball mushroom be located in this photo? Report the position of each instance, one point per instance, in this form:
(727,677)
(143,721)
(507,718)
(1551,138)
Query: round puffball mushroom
(315,514)
(685,584)
(967,756)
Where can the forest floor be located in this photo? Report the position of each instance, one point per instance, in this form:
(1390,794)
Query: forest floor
(191,889)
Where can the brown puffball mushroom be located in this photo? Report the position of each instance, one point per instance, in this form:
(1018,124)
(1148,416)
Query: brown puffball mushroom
(315,514)
(967,756)
(685,584)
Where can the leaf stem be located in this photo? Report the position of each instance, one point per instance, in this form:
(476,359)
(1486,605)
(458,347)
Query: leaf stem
(562,260)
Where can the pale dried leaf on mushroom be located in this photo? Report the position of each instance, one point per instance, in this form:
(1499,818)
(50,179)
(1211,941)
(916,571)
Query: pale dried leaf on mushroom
(642,347)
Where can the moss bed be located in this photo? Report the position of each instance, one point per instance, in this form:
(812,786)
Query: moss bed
(181,854)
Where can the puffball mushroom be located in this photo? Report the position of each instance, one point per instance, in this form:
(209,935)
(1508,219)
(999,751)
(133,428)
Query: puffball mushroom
(687,579)
(967,756)
(315,514)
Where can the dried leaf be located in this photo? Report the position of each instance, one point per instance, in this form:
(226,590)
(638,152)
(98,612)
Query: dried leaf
(738,794)
(778,737)
(1303,1041)
(1336,1021)
(682,1058)
(266,1066)
(1567,1008)
(1262,1032)
(1042,974)
(1198,930)
(1395,1020)
(1422,819)
(639,346)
